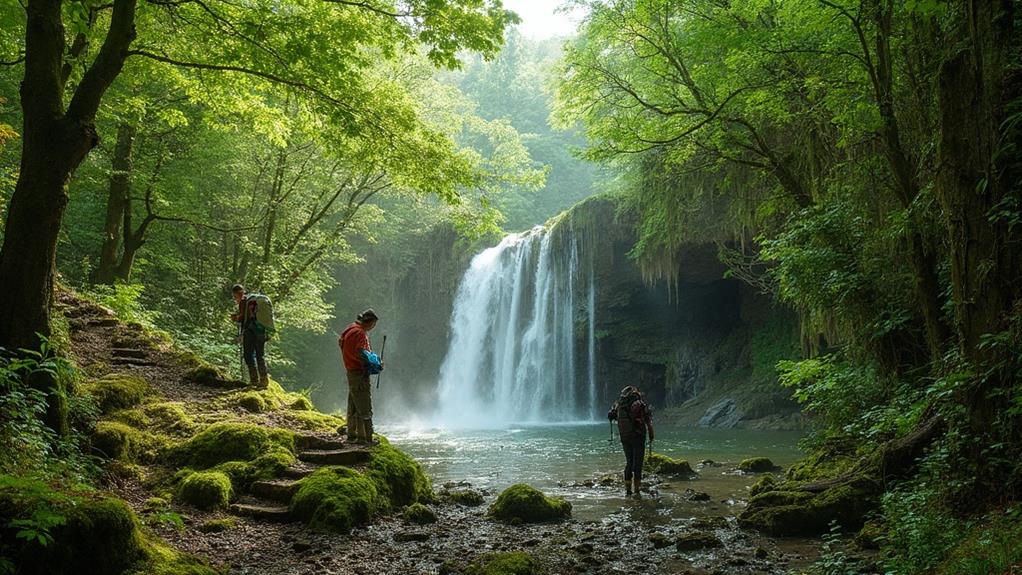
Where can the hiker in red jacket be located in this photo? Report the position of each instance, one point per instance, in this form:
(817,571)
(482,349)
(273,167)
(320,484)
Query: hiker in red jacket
(360,362)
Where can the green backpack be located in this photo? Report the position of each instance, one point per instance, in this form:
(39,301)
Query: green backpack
(259,308)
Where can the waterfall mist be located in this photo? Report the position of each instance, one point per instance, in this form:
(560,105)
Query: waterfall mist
(522,336)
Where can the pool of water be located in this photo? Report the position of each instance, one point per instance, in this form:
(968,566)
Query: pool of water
(564,459)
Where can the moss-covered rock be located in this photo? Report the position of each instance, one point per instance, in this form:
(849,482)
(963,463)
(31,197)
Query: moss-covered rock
(512,563)
(117,391)
(663,465)
(523,503)
(399,479)
(222,442)
(205,490)
(756,465)
(795,512)
(466,497)
(336,499)
(301,404)
(252,402)
(312,420)
(419,514)
(834,457)
(169,417)
(197,370)
(696,541)
(115,440)
(218,525)
(766,483)
(267,466)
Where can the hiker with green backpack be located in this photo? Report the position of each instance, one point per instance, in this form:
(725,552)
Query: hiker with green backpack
(255,321)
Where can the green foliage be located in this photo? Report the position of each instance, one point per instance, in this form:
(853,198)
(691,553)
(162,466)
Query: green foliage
(206,490)
(114,440)
(126,301)
(337,499)
(522,503)
(506,563)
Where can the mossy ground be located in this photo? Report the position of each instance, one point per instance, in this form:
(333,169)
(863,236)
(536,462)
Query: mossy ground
(523,503)
(115,440)
(511,563)
(223,442)
(117,391)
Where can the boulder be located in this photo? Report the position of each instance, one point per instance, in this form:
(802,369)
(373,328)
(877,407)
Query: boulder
(724,413)
(663,465)
(757,465)
(522,503)
(419,514)
(696,541)
(206,490)
(800,512)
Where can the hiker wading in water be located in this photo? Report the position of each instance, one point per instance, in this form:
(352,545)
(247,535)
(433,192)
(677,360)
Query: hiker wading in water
(255,321)
(633,420)
(360,362)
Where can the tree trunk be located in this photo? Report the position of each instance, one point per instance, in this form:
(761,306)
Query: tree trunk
(117,200)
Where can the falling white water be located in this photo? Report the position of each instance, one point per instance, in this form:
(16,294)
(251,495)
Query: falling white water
(512,356)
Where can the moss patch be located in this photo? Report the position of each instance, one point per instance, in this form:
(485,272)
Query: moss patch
(664,465)
(756,465)
(199,371)
(302,404)
(419,514)
(205,490)
(336,499)
(222,442)
(522,503)
(399,478)
(267,466)
(805,513)
(117,391)
(466,497)
(115,440)
(765,483)
(513,563)
(253,402)
(312,420)
(218,525)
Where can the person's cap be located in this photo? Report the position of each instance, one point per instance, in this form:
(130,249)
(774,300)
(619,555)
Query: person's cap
(368,315)
(237,288)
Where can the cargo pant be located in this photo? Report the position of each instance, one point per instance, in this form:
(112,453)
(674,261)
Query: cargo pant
(360,406)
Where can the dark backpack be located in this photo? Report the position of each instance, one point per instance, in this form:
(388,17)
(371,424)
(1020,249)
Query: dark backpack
(622,411)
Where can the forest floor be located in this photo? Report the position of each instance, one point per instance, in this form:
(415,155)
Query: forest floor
(260,538)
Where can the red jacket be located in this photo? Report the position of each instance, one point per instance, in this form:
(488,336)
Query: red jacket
(352,341)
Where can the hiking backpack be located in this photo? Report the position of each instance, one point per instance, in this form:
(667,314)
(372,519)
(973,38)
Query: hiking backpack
(626,424)
(259,309)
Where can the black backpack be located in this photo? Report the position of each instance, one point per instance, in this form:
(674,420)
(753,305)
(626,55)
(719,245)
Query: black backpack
(622,412)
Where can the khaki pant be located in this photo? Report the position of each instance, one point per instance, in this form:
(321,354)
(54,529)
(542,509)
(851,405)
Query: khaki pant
(360,406)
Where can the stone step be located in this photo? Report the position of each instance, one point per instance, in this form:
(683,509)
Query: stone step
(298,472)
(279,490)
(264,512)
(128,352)
(103,321)
(321,443)
(334,457)
(141,362)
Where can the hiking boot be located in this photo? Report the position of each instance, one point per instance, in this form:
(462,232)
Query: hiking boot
(264,380)
(636,486)
(253,377)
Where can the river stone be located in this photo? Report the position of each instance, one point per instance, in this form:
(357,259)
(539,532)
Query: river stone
(659,540)
(756,465)
(724,413)
(405,536)
(696,541)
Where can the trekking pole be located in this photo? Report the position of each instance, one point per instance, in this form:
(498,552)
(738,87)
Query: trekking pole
(383,348)
(241,353)
(611,440)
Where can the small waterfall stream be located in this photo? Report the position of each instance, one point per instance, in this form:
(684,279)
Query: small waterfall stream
(522,336)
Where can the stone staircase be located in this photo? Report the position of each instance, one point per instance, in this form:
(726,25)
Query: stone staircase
(269,500)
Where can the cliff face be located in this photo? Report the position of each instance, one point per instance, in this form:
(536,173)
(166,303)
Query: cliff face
(703,348)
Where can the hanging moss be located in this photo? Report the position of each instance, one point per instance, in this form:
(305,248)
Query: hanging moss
(117,391)
(205,490)
(222,442)
(522,503)
(399,478)
(336,499)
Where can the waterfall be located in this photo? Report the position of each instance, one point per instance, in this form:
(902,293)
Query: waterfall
(518,336)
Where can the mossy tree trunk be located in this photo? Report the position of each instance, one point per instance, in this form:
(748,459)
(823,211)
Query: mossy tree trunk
(117,201)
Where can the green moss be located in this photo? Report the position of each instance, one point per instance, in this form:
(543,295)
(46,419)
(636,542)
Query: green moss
(513,563)
(399,478)
(115,440)
(302,404)
(197,370)
(252,402)
(336,499)
(756,465)
(522,503)
(206,490)
(218,525)
(222,442)
(466,497)
(832,458)
(161,559)
(267,466)
(169,417)
(664,465)
(805,513)
(419,514)
(766,483)
(312,420)
(117,391)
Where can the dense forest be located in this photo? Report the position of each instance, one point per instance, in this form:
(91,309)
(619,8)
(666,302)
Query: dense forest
(855,162)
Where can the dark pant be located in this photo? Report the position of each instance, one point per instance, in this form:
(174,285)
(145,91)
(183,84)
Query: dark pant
(253,350)
(635,451)
(360,405)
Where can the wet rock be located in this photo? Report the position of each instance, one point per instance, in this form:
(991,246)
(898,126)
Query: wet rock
(696,541)
(765,483)
(522,503)
(419,514)
(659,540)
(756,465)
(664,465)
(466,497)
(709,523)
(803,512)
(406,536)
(693,495)
(583,548)
(761,553)
(301,545)
(724,413)
(709,463)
